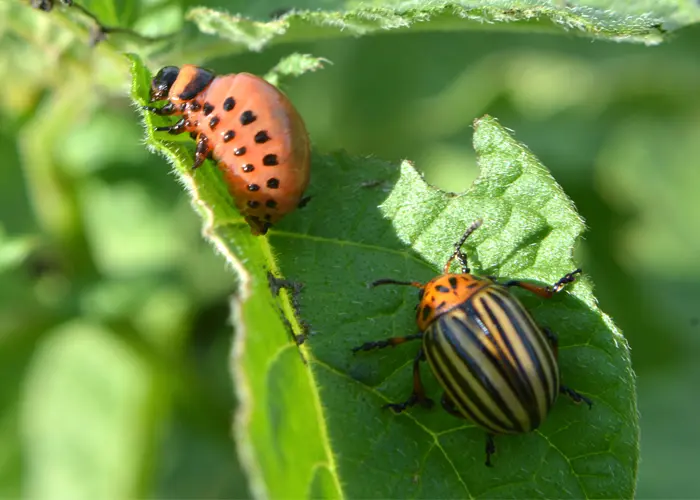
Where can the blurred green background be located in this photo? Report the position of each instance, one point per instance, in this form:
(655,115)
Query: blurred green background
(113,311)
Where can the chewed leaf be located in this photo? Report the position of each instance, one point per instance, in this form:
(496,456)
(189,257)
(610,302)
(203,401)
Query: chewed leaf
(373,220)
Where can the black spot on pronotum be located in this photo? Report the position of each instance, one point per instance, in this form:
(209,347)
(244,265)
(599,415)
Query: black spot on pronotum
(442,289)
(270,203)
(270,160)
(247,168)
(253,187)
(253,204)
(229,103)
(230,134)
(425,312)
(239,151)
(213,122)
(273,183)
(247,117)
(207,108)
(453,282)
(261,137)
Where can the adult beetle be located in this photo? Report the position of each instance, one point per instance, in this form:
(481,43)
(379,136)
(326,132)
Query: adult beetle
(497,367)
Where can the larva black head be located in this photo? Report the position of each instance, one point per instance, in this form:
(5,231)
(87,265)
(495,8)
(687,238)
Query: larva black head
(160,86)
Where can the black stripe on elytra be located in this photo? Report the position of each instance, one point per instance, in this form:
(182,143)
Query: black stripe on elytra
(477,371)
(443,367)
(517,379)
(513,309)
(517,372)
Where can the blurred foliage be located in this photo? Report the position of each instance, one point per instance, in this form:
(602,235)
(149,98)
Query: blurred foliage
(114,342)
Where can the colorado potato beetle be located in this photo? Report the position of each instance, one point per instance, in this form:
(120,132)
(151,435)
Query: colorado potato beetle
(497,367)
(249,128)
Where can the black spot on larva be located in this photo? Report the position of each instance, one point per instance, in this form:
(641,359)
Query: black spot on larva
(229,103)
(271,204)
(239,151)
(425,312)
(253,204)
(183,107)
(441,305)
(195,106)
(230,134)
(268,217)
(247,168)
(193,135)
(270,160)
(213,122)
(253,187)
(442,289)
(201,79)
(273,183)
(453,282)
(247,117)
(261,137)
(207,108)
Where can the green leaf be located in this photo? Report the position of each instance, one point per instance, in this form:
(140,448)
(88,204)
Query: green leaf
(318,429)
(443,15)
(294,65)
(89,404)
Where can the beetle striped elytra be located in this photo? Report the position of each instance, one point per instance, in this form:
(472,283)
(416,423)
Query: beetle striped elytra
(497,367)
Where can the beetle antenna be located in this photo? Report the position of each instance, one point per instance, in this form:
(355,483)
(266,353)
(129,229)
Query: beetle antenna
(458,254)
(394,282)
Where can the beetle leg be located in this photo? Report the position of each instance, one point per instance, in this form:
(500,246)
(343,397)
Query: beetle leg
(546,291)
(449,406)
(490,449)
(304,201)
(201,152)
(294,288)
(395,282)
(418,395)
(168,109)
(390,342)
(575,396)
(553,340)
(178,128)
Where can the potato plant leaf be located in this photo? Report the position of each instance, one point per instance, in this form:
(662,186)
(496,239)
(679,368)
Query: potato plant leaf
(444,15)
(310,421)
